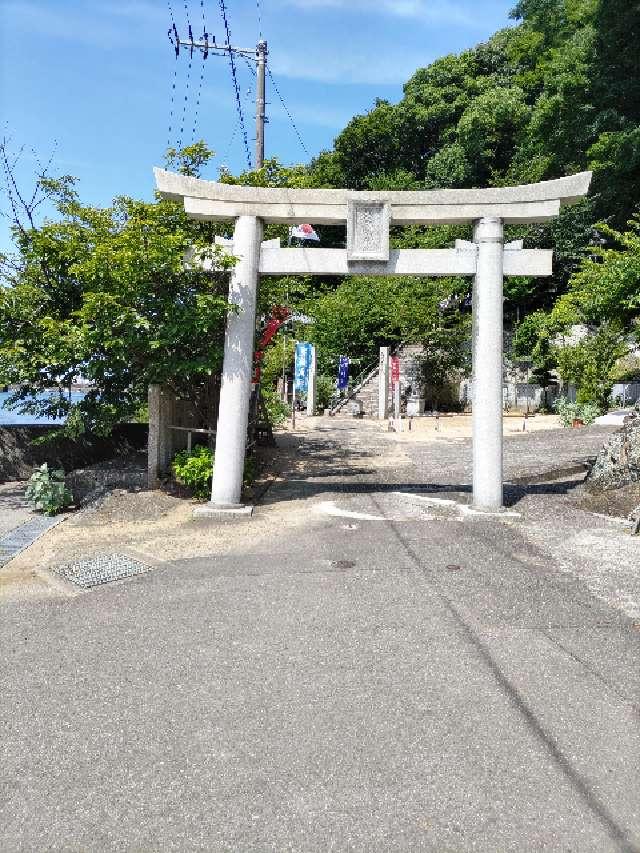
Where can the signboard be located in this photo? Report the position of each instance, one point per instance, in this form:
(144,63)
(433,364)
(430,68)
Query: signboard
(395,369)
(343,373)
(302,366)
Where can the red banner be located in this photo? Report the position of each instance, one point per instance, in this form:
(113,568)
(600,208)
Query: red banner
(395,369)
(279,316)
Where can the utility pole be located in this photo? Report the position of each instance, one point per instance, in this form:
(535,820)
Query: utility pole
(258,55)
(261,54)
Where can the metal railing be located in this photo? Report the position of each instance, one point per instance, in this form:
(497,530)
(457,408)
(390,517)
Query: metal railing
(337,403)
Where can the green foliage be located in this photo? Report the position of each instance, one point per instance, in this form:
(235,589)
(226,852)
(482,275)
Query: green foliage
(627,369)
(190,159)
(277,410)
(46,491)
(568,412)
(363,314)
(590,364)
(105,293)
(325,391)
(607,287)
(194,470)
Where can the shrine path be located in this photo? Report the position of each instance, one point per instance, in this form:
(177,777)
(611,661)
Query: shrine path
(367,667)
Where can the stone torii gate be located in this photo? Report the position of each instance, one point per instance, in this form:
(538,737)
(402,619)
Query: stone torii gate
(368,216)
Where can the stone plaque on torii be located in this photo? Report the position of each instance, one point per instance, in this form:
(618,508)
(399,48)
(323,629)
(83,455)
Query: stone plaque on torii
(368,216)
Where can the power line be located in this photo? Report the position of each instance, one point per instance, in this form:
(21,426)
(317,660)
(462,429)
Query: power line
(205,36)
(250,65)
(225,156)
(173,38)
(256,59)
(186,91)
(236,87)
(259,11)
(286,109)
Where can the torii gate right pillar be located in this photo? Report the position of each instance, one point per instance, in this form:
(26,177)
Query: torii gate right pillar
(487,364)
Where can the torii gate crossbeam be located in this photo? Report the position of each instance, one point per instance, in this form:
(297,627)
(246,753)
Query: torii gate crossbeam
(368,216)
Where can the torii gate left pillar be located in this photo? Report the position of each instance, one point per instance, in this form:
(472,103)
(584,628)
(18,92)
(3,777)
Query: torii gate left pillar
(368,215)
(239,342)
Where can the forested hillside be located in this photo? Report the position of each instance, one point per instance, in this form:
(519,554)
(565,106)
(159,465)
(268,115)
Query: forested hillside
(557,93)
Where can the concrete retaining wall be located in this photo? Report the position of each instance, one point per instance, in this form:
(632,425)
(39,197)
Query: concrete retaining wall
(19,456)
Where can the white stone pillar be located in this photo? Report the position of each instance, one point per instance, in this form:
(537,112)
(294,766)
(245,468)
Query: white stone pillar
(487,364)
(383,384)
(311,387)
(235,391)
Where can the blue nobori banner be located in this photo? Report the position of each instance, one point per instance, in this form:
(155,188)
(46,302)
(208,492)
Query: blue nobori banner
(302,365)
(343,373)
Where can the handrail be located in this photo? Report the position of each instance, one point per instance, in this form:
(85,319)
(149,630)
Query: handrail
(365,376)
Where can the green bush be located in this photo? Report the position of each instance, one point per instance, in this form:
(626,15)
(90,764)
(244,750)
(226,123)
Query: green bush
(326,390)
(194,470)
(46,491)
(276,410)
(590,365)
(568,411)
(589,412)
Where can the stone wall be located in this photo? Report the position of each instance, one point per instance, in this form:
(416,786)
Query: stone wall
(367,394)
(19,456)
(618,463)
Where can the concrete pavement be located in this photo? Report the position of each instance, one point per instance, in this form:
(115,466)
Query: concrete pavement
(381,673)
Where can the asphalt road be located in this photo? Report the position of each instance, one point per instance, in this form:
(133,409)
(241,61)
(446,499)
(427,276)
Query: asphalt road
(386,673)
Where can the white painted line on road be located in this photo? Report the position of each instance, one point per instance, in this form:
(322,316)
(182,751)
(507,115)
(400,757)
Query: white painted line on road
(329,508)
(427,500)
(465,509)
(501,513)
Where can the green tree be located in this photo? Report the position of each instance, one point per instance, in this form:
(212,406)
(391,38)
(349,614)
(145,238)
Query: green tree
(590,365)
(106,294)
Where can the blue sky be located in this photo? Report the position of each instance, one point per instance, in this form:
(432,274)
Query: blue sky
(91,79)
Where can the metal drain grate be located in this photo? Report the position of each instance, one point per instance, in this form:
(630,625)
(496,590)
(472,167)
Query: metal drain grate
(103,568)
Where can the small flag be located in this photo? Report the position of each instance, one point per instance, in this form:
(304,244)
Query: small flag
(343,373)
(303,232)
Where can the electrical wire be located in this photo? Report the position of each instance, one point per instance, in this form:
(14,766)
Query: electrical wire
(234,78)
(205,38)
(172,34)
(259,12)
(286,109)
(225,156)
(250,65)
(187,88)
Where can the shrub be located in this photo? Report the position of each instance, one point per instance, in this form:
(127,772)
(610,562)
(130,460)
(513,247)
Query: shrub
(194,470)
(589,412)
(568,411)
(590,365)
(276,410)
(46,491)
(326,391)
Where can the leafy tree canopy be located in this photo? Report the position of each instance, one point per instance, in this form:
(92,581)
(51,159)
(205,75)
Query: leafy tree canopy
(105,294)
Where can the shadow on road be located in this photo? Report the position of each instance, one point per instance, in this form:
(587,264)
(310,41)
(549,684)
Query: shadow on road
(298,488)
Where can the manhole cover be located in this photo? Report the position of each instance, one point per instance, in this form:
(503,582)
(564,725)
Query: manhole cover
(101,569)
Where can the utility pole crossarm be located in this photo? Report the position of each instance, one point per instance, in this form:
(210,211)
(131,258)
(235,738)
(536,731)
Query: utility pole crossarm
(219,49)
(259,56)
